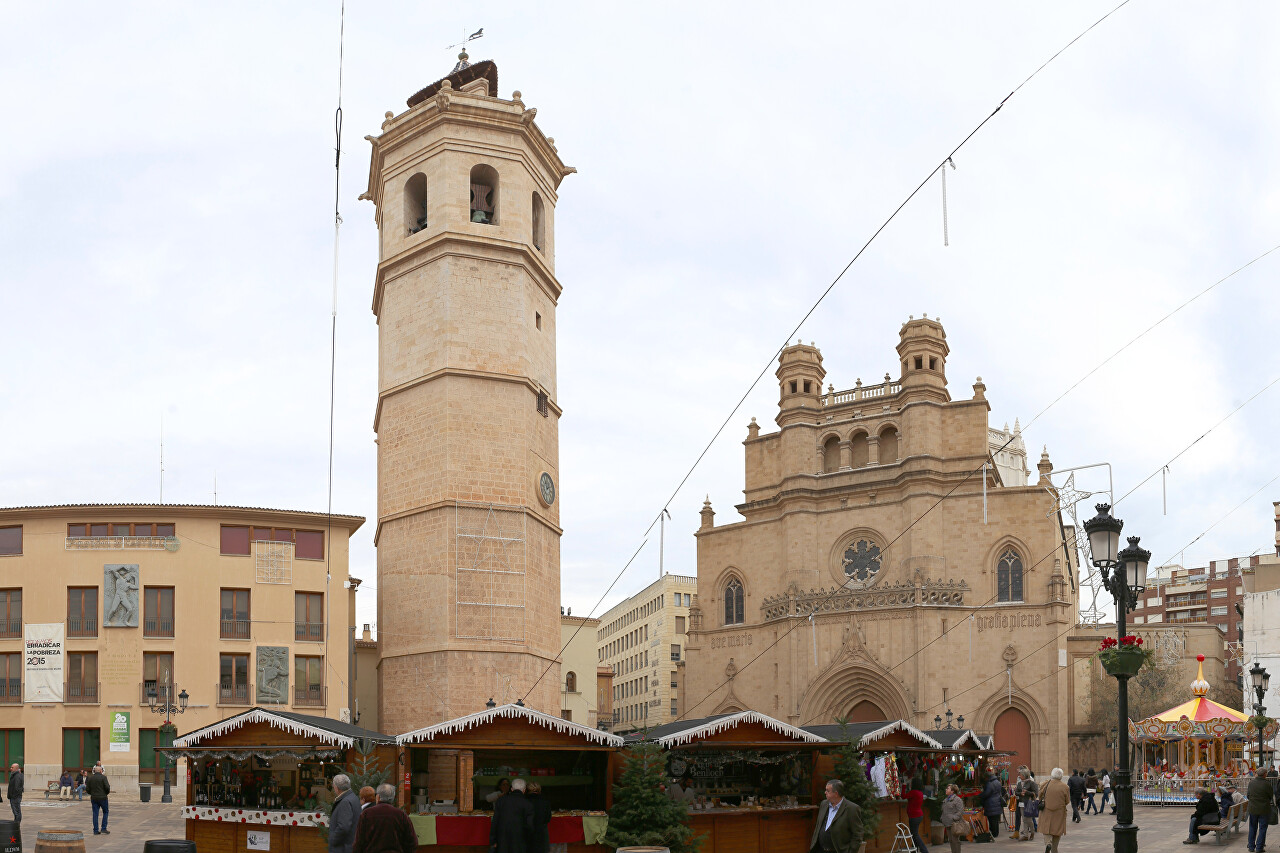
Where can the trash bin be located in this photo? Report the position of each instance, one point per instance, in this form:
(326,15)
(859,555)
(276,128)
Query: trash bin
(144,791)
(169,845)
(10,836)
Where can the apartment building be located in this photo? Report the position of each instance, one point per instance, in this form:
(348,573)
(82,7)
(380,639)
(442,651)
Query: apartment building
(641,640)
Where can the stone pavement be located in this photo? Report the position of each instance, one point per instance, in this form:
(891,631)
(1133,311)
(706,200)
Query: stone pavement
(131,822)
(1161,830)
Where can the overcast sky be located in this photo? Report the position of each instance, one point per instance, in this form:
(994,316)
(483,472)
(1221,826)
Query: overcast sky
(166,182)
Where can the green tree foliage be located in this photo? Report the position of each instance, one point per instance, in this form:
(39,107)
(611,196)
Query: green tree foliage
(362,771)
(857,787)
(642,814)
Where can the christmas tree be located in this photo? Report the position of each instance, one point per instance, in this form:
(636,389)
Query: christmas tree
(857,787)
(362,772)
(642,813)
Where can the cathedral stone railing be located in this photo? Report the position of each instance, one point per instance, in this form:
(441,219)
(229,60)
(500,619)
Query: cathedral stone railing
(928,592)
(861,392)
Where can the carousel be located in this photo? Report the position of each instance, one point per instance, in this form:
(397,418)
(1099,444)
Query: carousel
(1196,744)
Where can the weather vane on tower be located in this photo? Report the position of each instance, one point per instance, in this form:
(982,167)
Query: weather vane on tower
(462,56)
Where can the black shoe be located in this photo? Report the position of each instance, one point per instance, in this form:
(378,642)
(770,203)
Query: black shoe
(106,832)
(95,832)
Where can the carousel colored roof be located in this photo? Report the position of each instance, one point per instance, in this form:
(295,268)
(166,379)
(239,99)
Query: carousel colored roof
(1200,709)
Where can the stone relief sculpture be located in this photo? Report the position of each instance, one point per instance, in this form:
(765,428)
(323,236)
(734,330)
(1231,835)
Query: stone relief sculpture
(120,595)
(273,674)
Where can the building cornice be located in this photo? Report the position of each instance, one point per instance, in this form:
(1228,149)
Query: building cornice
(117,511)
(535,387)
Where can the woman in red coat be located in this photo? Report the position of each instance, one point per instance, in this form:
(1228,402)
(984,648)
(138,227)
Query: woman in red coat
(915,812)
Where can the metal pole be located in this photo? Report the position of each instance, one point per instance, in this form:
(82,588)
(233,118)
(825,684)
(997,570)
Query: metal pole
(1126,834)
(167,797)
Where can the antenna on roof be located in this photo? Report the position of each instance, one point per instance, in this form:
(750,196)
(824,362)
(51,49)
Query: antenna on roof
(162,457)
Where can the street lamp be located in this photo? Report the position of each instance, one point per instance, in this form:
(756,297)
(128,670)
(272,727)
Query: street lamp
(1124,575)
(1261,678)
(168,709)
(937,722)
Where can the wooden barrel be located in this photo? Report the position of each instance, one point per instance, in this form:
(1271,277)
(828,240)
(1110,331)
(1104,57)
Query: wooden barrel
(10,836)
(59,841)
(644,850)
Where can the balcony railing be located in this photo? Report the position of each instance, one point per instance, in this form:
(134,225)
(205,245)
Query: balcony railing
(309,631)
(10,629)
(308,697)
(164,693)
(82,626)
(10,691)
(157,626)
(234,629)
(81,693)
(232,694)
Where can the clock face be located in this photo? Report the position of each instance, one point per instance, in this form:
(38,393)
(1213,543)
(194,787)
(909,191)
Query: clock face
(546,489)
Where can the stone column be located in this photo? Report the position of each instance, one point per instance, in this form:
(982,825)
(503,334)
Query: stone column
(873,450)
(846,455)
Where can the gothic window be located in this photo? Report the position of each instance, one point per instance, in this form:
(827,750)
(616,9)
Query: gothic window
(571,683)
(734,607)
(1009,577)
(484,195)
(537,222)
(862,561)
(415,203)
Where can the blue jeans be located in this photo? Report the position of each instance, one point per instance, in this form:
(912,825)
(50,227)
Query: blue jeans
(15,803)
(99,806)
(914,823)
(79,792)
(1257,831)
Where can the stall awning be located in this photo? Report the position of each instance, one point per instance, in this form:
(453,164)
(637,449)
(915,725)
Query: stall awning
(334,732)
(462,724)
(684,732)
(867,733)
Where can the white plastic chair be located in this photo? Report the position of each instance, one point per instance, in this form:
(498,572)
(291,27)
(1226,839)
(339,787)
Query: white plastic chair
(903,842)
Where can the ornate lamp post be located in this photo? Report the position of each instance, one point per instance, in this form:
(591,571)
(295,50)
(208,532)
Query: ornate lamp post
(1124,575)
(1261,678)
(168,709)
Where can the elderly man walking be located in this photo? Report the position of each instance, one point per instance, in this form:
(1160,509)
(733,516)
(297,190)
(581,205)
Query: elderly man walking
(839,826)
(511,829)
(1054,799)
(346,811)
(17,782)
(384,828)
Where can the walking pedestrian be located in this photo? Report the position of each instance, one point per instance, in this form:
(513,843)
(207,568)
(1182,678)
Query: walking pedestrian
(1262,797)
(17,783)
(511,828)
(384,828)
(839,825)
(952,819)
(99,789)
(367,797)
(541,820)
(1054,799)
(1091,790)
(993,803)
(1076,786)
(1029,807)
(915,812)
(346,811)
(1106,790)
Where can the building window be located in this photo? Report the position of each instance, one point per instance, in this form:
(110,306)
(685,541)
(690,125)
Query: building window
(1217,593)
(680,624)
(234,614)
(10,613)
(415,203)
(537,222)
(233,680)
(484,195)
(82,679)
(96,529)
(157,611)
(675,652)
(688,600)
(734,607)
(157,677)
(81,748)
(566,714)
(235,540)
(11,541)
(82,611)
(308,616)
(308,681)
(11,678)
(1009,577)
(571,683)
(673,679)
(308,544)
(674,711)
(1218,611)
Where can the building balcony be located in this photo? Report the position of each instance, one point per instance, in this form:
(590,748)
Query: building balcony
(120,543)
(10,691)
(165,694)
(308,697)
(309,632)
(233,629)
(1187,605)
(157,626)
(232,694)
(82,626)
(1184,619)
(10,629)
(82,693)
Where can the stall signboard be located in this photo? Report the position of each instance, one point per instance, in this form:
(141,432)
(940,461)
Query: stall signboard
(44,661)
(258,839)
(119,731)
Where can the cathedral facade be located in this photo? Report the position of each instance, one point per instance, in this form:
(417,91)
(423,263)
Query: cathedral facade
(893,561)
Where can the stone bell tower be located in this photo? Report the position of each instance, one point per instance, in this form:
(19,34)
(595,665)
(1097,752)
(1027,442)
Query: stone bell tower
(468,534)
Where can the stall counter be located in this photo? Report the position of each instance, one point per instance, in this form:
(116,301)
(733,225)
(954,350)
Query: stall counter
(445,833)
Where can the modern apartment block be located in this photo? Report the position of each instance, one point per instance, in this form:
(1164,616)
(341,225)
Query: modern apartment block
(642,641)
(111,612)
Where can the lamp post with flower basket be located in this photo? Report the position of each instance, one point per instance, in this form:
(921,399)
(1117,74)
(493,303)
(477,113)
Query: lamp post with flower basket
(1124,575)
(1260,678)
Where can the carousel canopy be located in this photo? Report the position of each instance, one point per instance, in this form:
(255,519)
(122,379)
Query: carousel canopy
(1200,709)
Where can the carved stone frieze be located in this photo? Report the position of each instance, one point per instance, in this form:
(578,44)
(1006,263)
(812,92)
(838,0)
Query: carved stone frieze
(926,592)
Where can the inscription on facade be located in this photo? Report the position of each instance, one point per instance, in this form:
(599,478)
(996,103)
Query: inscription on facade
(730,642)
(1008,620)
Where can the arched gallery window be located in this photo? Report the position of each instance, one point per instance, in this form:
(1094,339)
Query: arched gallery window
(1009,576)
(571,682)
(734,607)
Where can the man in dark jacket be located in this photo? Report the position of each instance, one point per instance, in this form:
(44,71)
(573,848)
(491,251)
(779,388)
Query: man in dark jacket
(384,828)
(511,829)
(839,825)
(1261,795)
(993,803)
(342,820)
(1206,813)
(1076,786)
(16,784)
(99,789)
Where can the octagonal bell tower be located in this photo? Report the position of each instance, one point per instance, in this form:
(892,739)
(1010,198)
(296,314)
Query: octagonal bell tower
(464,183)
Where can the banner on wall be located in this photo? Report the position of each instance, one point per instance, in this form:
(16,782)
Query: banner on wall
(43,666)
(119,731)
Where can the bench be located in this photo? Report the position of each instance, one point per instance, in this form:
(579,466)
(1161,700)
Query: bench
(52,789)
(1222,829)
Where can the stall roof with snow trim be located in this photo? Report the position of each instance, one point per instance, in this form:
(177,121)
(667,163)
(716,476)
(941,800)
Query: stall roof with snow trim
(509,725)
(889,734)
(333,732)
(742,728)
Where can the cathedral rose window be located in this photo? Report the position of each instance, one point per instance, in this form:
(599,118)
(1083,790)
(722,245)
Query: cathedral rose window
(862,561)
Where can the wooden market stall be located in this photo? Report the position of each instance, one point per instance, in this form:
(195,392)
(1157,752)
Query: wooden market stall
(452,767)
(750,780)
(263,775)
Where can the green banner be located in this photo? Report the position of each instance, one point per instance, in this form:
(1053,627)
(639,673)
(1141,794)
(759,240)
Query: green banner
(119,731)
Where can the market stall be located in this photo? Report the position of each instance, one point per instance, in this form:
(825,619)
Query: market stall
(259,780)
(748,779)
(454,767)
